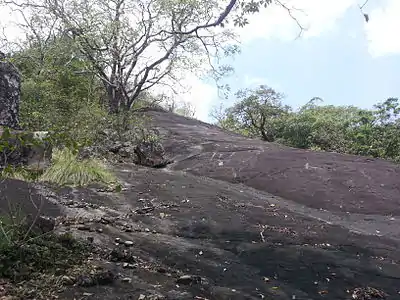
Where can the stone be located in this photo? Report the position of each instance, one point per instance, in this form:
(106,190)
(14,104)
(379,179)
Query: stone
(101,277)
(188,279)
(128,243)
(368,293)
(128,152)
(84,228)
(39,224)
(128,266)
(10,91)
(126,279)
(122,255)
(20,148)
(115,147)
(67,280)
(151,154)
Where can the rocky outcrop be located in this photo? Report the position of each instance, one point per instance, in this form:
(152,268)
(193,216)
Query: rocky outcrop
(130,147)
(151,154)
(10,89)
(17,147)
(21,148)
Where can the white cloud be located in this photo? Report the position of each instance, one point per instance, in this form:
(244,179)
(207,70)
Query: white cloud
(317,16)
(321,16)
(200,94)
(382,30)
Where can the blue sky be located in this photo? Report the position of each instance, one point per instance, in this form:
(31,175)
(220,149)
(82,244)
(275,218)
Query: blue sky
(336,67)
(344,60)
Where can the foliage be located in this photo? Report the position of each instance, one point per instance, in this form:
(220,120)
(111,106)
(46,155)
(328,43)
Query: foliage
(258,112)
(22,255)
(319,127)
(132,46)
(67,169)
(56,95)
(20,173)
(343,129)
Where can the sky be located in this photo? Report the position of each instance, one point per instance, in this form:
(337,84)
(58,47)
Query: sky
(339,58)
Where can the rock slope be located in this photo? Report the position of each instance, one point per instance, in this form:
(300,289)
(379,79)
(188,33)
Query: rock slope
(235,218)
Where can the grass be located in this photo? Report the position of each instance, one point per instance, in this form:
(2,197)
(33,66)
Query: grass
(68,169)
(20,173)
(32,265)
(23,255)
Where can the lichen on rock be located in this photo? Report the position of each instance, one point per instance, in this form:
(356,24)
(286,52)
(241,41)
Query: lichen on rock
(10,90)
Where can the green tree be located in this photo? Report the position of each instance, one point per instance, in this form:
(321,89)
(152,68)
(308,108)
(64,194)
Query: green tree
(258,113)
(59,92)
(343,129)
(377,132)
(320,127)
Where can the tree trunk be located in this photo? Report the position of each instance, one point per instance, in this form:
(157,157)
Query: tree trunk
(115,99)
(267,137)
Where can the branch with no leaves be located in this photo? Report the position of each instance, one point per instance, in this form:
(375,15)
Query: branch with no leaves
(366,16)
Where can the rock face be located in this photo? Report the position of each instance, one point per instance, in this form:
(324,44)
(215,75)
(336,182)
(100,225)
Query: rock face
(10,88)
(145,153)
(17,147)
(21,148)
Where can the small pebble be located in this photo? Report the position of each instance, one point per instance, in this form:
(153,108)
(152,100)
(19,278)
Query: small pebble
(126,279)
(188,279)
(67,280)
(128,266)
(84,228)
(128,243)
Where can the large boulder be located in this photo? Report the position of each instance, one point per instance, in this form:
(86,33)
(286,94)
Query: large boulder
(151,154)
(21,148)
(10,90)
(17,147)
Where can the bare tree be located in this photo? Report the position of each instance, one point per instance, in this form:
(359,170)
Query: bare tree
(186,109)
(218,113)
(134,45)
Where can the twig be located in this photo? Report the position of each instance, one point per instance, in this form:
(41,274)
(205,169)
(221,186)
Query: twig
(262,227)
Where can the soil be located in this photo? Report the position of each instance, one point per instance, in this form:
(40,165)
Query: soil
(234,218)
